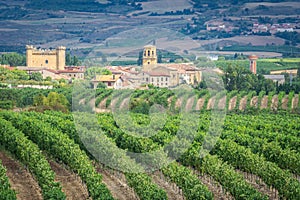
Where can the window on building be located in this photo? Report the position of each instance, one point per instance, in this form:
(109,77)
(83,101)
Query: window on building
(46,61)
(147,79)
(109,83)
(166,79)
(162,79)
(152,53)
(148,63)
(152,79)
(148,52)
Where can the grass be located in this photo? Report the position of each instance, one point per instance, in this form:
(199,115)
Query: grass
(264,66)
(284,49)
(286,60)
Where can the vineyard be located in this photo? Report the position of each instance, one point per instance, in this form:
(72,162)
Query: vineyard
(236,101)
(83,155)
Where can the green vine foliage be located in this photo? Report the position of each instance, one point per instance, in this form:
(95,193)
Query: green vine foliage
(5,188)
(30,155)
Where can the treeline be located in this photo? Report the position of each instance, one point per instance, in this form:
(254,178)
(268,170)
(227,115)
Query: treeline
(13,59)
(17,59)
(29,97)
(177,12)
(83,6)
(241,79)
(292,37)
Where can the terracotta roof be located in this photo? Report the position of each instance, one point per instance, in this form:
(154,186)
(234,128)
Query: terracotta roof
(107,78)
(253,57)
(70,71)
(154,73)
(52,70)
(8,67)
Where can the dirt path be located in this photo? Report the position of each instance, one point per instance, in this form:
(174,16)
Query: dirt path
(200,104)
(71,184)
(171,189)
(189,104)
(118,186)
(254,101)
(21,180)
(169,100)
(258,184)
(264,102)
(213,186)
(284,102)
(102,104)
(274,104)
(125,103)
(222,103)
(295,101)
(211,103)
(243,103)
(232,103)
(178,102)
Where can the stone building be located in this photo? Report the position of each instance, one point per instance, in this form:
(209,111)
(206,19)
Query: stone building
(149,57)
(44,58)
(253,59)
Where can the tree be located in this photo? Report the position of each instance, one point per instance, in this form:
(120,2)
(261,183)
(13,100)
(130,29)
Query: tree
(72,61)
(56,101)
(39,100)
(101,85)
(36,76)
(298,72)
(140,59)
(48,78)
(13,59)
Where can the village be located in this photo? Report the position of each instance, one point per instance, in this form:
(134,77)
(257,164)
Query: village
(51,64)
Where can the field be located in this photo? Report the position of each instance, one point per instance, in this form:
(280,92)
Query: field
(264,66)
(253,156)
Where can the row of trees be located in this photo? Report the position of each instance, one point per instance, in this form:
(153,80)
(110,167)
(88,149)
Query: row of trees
(16,59)
(241,79)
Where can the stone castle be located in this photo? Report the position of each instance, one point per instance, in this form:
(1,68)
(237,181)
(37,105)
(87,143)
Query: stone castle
(51,63)
(50,59)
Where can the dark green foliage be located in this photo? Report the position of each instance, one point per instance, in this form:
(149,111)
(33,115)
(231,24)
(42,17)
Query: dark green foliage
(5,189)
(72,60)
(13,59)
(6,104)
(29,154)
(36,76)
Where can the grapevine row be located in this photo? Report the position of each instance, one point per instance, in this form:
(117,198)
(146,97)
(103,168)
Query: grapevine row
(30,155)
(5,189)
(63,148)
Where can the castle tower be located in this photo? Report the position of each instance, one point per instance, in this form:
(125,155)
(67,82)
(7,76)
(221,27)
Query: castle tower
(45,58)
(253,59)
(60,58)
(149,58)
(29,51)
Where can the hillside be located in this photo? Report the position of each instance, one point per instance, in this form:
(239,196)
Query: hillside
(84,25)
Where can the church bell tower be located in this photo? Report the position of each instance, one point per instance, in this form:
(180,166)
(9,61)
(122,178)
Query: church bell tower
(149,58)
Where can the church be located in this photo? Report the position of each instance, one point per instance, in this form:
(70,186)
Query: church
(163,75)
